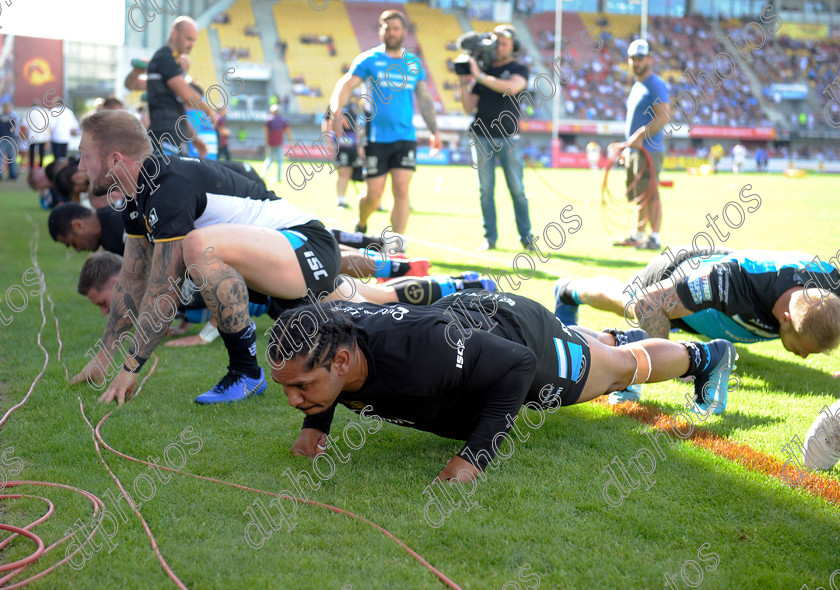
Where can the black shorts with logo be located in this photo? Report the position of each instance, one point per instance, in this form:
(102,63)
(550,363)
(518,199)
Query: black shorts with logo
(317,253)
(381,157)
(349,156)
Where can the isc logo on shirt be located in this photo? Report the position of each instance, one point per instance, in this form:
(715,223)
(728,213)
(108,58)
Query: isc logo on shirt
(459,350)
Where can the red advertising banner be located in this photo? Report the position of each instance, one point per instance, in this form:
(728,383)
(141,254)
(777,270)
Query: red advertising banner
(733,132)
(39,66)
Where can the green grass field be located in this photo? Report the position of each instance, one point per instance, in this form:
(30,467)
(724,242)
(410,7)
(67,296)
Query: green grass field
(543,507)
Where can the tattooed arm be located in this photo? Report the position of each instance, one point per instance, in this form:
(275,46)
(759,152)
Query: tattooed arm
(426,106)
(151,319)
(655,308)
(127,292)
(160,299)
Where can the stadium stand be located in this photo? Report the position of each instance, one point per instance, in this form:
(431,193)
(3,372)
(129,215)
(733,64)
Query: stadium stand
(364,17)
(202,64)
(236,44)
(313,67)
(434,30)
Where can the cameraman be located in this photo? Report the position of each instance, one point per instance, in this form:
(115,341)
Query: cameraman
(487,99)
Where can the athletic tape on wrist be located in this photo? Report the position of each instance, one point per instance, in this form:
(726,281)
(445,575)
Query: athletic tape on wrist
(642,362)
(140,362)
(209,333)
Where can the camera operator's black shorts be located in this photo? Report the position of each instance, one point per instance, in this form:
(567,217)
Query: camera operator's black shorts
(381,157)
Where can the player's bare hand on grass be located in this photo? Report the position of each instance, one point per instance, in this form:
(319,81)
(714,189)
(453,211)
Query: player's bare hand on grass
(92,373)
(194,340)
(121,388)
(178,330)
(458,469)
(311,442)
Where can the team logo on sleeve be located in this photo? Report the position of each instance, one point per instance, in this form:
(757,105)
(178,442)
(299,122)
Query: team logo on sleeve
(700,287)
(153,217)
(459,351)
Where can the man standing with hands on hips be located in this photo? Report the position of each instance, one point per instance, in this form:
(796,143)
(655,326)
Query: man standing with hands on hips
(648,111)
(497,136)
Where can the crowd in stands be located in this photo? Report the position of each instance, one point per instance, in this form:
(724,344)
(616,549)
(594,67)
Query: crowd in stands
(320,40)
(299,88)
(235,53)
(599,90)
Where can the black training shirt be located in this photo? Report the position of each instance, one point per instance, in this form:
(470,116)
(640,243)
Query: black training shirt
(113,230)
(165,108)
(187,193)
(492,104)
(416,378)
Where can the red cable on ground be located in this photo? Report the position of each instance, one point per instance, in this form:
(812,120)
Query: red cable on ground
(440,575)
(43,369)
(98,439)
(149,534)
(608,202)
(97,434)
(20,565)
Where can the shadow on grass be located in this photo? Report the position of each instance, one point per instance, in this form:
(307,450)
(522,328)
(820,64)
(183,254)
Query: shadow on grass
(785,375)
(454,268)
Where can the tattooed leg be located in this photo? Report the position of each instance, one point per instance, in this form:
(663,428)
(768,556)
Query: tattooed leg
(226,297)
(655,307)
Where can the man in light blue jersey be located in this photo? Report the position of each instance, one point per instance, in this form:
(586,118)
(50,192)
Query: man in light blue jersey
(206,139)
(648,110)
(392,78)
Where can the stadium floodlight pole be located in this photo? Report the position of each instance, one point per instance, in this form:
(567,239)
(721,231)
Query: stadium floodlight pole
(558,97)
(645,7)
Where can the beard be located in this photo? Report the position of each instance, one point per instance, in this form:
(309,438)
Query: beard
(101,185)
(393,43)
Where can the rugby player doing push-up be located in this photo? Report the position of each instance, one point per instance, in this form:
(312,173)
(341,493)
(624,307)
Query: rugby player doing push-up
(463,367)
(742,296)
(188,218)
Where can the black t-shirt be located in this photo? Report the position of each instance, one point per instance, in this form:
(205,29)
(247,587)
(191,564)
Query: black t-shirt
(492,104)
(243,168)
(165,108)
(189,193)
(113,230)
(417,379)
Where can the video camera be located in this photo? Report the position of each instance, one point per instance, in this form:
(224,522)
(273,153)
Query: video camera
(481,46)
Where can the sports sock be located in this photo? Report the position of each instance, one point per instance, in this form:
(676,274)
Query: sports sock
(461,284)
(399,268)
(568,295)
(417,290)
(701,357)
(356,239)
(623,337)
(242,351)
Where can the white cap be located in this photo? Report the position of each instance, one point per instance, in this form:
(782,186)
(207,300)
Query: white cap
(638,48)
